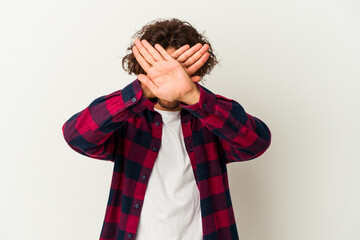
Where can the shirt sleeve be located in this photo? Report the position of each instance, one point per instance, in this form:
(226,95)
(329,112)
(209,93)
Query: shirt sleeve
(92,131)
(242,136)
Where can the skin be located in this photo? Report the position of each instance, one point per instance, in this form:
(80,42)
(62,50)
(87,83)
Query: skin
(166,105)
(168,73)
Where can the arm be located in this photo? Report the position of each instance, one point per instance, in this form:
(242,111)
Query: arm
(242,136)
(91,132)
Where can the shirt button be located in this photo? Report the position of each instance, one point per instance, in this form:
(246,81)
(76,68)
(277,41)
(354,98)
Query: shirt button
(157,124)
(185,123)
(137,205)
(143,177)
(204,105)
(154,149)
(190,149)
(129,235)
(133,99)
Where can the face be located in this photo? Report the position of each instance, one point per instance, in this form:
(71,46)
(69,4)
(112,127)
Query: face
(166,105)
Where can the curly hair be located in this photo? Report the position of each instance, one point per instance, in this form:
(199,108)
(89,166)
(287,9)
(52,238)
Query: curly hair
(172,33)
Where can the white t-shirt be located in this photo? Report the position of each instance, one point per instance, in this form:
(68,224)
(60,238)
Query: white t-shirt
(171,207)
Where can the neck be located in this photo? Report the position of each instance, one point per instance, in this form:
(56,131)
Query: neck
(159,107)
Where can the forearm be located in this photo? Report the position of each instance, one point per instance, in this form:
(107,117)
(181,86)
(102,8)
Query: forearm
(90,131)
(242,136)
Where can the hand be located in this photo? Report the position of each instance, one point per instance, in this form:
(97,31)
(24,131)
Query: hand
(146,91)
(164,73)
(192,59)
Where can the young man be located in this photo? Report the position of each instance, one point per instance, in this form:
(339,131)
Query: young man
(170,139)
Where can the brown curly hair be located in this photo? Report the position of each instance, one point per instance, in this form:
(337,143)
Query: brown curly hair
(172,33)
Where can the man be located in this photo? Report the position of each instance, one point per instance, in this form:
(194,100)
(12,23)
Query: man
(170,139)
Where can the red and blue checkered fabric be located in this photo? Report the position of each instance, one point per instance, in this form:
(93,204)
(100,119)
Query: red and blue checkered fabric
(124,128)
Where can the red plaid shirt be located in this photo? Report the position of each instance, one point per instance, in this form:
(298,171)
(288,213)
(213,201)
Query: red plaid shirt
(124,128)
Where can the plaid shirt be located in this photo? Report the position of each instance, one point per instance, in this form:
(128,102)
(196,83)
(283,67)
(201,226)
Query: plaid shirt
(124,128)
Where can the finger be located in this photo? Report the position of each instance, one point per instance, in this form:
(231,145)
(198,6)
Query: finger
(163,52)
(189,53)
(195,78)
(140,59)
(155,54)
(148,82)
(179,51)
(196,66)
(144,52)
(197,55)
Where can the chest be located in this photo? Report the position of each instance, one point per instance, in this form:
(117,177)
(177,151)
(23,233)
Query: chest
(140,142)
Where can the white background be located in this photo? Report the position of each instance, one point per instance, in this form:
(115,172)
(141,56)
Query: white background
(293,64)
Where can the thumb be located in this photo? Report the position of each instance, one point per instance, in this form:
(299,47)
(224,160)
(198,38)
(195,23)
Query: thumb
(195,78)
(147,81)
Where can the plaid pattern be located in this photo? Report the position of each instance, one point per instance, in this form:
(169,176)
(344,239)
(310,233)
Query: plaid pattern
(123,128)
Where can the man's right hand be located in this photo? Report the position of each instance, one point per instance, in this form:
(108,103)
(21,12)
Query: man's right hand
(191,59)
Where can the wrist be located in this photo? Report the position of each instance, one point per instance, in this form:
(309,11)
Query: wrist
(192,97)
